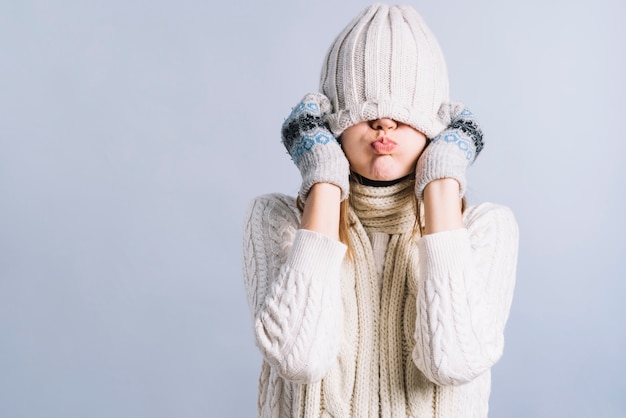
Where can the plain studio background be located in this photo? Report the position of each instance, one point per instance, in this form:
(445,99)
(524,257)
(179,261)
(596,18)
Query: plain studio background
(134,134)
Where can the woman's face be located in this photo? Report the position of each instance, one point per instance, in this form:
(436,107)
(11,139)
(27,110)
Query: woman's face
(382,149)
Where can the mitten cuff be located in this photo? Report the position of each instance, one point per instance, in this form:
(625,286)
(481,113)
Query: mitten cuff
(446,157)
(334,170)
(452,151)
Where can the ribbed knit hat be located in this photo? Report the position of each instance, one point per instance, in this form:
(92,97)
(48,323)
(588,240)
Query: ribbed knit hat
(386,63)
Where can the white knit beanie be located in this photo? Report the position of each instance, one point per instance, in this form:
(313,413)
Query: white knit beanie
(386,63)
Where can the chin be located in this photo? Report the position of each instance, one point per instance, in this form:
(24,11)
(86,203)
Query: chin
(387,169)
(383,169)
(387,175)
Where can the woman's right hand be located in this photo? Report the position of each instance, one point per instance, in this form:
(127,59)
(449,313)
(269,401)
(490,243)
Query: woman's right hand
(312,146)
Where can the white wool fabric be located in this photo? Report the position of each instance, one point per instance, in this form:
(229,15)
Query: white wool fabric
(386,63)
(408,326)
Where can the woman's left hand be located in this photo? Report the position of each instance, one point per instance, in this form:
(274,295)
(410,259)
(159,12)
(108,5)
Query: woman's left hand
(450,153)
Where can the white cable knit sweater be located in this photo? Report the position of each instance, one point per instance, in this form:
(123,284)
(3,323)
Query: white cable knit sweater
(411,328)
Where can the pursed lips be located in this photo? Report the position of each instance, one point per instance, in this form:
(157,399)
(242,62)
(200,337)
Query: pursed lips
(383,145)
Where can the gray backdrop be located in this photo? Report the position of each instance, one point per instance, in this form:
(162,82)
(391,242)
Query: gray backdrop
(133,135)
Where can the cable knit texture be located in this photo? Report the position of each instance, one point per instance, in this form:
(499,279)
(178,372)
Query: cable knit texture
(341,339)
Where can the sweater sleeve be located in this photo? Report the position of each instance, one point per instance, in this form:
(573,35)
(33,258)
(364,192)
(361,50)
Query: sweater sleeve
(292,280)
(465,289)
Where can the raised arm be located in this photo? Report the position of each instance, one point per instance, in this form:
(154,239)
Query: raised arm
(467,263)
(292,279)
(293,265)
(467,278)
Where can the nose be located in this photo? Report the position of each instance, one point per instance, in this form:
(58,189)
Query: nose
(384,124)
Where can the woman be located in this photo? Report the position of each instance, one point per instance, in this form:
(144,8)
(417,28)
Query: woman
(375,292)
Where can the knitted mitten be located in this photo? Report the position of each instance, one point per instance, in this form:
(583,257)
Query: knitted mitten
(312,146)
(450,153)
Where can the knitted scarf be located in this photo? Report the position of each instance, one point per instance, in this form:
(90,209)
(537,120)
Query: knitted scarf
(374,374)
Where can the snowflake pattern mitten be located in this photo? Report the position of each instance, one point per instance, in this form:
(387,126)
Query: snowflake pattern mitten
(312,146)
(450,153)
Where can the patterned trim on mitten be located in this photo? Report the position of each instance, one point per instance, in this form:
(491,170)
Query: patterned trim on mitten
(467,124)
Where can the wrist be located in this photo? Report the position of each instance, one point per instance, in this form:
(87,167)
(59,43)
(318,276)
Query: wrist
(442,206)
(447,188)
(329,191)
(321,209)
